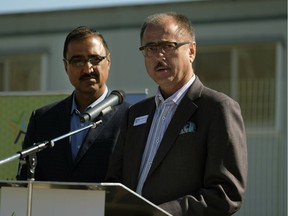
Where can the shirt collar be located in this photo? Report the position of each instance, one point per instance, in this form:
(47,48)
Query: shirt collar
(101,98)
(177,96)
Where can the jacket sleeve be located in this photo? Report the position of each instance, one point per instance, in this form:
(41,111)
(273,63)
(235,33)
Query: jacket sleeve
(225,174)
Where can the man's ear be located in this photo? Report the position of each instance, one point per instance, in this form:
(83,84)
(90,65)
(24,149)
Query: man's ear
(108,58)
(65,65)
(192,51)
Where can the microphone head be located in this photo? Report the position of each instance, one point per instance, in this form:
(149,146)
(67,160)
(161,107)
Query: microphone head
(120,94)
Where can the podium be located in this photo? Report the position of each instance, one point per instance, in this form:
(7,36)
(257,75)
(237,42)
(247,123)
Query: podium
(60,198)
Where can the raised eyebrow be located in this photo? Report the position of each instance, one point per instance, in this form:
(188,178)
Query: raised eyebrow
(167,42)
(83,57)
(77,57)
(162,43)
(94,56)
(151,44)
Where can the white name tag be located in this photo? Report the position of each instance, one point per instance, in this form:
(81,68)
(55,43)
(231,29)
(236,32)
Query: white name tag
(140,120)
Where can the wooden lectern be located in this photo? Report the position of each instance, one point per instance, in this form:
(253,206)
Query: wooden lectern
(32,198)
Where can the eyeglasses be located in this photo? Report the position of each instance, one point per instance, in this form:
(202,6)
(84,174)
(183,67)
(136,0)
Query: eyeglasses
(80,61)
(166,47)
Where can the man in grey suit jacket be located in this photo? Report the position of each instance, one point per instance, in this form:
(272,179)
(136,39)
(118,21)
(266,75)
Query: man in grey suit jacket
(185,148)
(82,157)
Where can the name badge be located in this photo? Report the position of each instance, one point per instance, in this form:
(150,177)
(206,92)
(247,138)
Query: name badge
(140,120)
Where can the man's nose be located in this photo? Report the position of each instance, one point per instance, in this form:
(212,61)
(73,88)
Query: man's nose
(88,67)
(160,51)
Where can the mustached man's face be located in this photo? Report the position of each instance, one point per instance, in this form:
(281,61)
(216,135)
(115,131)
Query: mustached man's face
(169,70)
(87,78)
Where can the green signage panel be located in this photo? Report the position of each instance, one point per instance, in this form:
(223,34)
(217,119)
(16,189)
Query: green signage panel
(15,111)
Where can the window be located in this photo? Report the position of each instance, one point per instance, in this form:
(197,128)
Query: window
(20,72)
(247,73)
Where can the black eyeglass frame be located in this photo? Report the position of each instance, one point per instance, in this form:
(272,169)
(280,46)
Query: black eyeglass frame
(176,44)
(84,60)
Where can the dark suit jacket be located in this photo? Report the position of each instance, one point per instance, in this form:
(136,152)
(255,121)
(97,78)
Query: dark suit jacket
(56,164)
(201,171)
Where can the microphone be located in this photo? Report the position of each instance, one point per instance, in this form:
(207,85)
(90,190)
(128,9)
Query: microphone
(116,97)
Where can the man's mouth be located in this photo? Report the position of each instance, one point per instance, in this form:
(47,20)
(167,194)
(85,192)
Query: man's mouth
(162,69)
(88,77)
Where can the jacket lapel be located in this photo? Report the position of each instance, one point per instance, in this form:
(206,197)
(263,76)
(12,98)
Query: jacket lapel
(64,126)
(182,114)
(92,135)
(138,149)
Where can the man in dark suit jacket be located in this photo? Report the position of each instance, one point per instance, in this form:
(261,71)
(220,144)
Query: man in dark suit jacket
(185,148)
(82,157)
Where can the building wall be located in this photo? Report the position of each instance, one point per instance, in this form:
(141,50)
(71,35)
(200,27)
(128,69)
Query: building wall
(219,22)
(216,22)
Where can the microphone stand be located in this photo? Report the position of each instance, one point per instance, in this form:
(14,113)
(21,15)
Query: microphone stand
(32,160)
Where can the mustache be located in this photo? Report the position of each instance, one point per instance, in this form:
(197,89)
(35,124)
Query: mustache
(161,65)
(89,76)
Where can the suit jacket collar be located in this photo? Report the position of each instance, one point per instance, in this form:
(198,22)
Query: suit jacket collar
(183,112)
(64,125)
(92,133)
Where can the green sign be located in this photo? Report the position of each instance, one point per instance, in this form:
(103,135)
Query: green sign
(15,111)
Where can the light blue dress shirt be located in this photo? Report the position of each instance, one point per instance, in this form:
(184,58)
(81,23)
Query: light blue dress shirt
(165,109)
(77,139)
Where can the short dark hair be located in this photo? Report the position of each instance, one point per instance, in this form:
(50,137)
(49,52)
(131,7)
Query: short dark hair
(82,32)
(183,22)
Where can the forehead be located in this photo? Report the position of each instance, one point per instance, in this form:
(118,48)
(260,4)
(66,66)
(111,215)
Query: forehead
(164,30)
(91,44)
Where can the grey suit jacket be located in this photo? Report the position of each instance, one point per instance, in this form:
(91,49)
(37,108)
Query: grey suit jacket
(201,165)
(57,164)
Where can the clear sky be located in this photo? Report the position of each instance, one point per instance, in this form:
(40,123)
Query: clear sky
(19,6)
